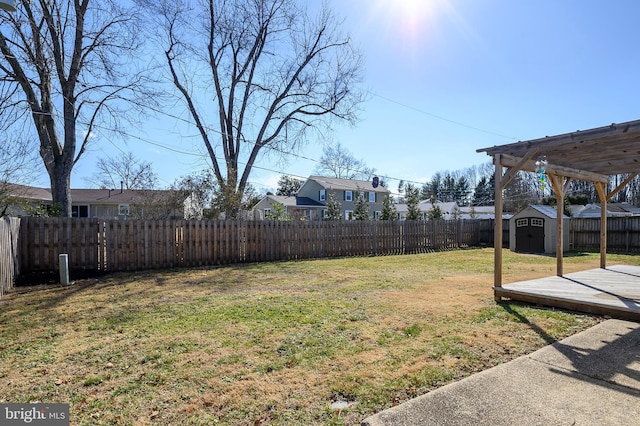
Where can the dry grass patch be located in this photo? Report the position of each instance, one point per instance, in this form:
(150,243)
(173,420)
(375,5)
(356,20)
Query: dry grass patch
(273,343)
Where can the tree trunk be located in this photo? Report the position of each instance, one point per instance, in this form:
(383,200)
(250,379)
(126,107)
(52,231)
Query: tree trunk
(60,177)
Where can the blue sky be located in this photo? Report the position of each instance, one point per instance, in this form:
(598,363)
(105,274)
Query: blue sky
(447,77)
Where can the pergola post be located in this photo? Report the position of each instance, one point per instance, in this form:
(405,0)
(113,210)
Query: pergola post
(602,193)
(560,187)
(497,229)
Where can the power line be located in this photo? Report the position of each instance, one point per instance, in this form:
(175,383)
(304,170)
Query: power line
(287,153)
(439,117)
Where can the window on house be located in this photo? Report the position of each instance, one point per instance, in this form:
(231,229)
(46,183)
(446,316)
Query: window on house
(79,211)
(323,195)
(372,197)
(123,209)
(348,195)
(537,222)
(324,214)
(267,212)
(376,214)
(348,215)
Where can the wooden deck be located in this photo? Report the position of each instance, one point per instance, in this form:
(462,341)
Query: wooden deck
(614,291)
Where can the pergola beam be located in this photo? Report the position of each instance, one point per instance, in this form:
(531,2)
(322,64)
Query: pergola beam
(621,186)
(530,166)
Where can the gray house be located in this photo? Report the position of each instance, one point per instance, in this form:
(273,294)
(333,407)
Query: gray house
(310,203)
(345,191)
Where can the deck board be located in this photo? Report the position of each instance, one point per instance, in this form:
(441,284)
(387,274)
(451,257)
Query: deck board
(614,291)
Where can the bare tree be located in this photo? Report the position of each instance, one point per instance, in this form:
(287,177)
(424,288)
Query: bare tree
(17,163)
(256,76)
(337,161)
(68,65)
(125,170)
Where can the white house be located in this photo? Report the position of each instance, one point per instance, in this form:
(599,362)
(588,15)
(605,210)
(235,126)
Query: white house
(109,203)
(613,210)
(480,212)
(450,210)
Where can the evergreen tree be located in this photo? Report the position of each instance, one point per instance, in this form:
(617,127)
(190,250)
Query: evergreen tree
(484,192)
(389,211)
(435,213)
(288,186)
(334,209)
(472,213)
(277,212)
(412,195)
(361,210)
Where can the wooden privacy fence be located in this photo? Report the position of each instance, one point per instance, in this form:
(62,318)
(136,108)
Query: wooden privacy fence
(9,228)
(623,234)
(98,245)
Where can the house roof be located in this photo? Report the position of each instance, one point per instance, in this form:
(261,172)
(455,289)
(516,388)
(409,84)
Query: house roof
(97,196)
(613,209)
(291,201)
(89,196)
(28,192)
(308,202)
(347,184)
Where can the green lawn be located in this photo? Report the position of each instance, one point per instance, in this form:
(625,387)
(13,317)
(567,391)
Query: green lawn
(273,343)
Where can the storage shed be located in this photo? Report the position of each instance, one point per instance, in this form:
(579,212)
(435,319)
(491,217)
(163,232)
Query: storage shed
(533,230)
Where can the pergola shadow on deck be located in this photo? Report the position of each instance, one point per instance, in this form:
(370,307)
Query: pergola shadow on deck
(593,156)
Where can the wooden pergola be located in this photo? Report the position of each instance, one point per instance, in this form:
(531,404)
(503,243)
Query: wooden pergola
(590,155)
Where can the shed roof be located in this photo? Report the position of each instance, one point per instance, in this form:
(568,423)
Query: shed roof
(548,211)
(603,151)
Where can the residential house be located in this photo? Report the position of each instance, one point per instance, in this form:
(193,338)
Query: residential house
(480,212)
(311,200)
(613,210)
(109,203)
(450,210)
(346,192)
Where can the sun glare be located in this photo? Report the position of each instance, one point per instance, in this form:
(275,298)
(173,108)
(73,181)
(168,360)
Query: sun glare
(410,20)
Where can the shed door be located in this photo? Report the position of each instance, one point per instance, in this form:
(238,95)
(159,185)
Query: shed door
(530,235)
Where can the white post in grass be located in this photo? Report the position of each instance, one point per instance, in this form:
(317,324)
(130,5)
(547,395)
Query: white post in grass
(63,260)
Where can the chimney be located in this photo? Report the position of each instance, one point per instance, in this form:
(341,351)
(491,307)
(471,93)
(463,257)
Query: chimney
(121,187)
